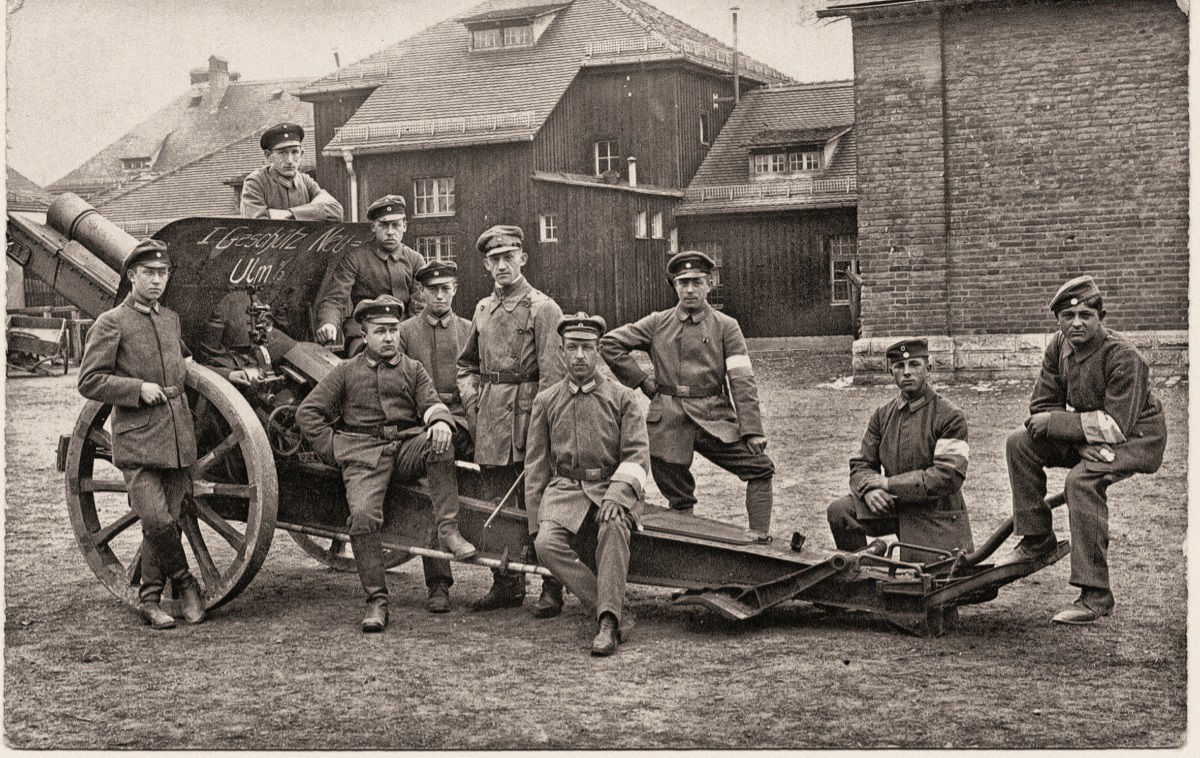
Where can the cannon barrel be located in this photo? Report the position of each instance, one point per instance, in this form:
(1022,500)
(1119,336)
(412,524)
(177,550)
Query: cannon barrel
(75,218)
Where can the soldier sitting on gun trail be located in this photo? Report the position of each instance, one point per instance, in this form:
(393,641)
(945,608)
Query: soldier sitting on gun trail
(1092,411)
(384,267)
(377,416)
(585,470)
(134,361)
(908,475)
(434,339)
(700,360)
(280,189)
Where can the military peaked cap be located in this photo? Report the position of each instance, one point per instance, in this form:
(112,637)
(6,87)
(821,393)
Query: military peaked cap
(581,325)
(386,207)
(1076,291)
(382,307)
(435,270)
(501,238)
(905,349)
(148,251)
(690,262)
(282,135)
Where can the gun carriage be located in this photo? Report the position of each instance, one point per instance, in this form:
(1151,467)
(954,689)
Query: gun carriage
(255,473)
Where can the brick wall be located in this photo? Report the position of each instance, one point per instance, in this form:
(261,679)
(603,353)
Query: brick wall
(1065,152)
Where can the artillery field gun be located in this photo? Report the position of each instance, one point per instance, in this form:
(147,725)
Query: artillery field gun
(255,473)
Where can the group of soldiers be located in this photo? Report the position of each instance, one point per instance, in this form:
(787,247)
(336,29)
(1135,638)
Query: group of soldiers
(519,391)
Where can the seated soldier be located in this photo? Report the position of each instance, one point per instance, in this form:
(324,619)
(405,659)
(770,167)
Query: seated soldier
(586,462)
(378,417)
(908,475)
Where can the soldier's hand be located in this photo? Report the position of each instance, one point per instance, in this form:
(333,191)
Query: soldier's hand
(326,333)
(878,501)
(611,509)
(876,481)
(439,436)
(238,376)
(649,387)
(1038,424)
(152,394)
(756,443)
(1097,453)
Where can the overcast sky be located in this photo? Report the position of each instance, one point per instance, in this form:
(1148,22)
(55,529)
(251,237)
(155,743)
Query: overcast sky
(82,72)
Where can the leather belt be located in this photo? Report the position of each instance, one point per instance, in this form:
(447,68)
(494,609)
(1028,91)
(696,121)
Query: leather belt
(382,431)
(507,377)
(448,397)
(585,474)
(684,390)
(172,391)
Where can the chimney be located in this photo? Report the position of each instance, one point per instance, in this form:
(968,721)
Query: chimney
(632,171)
(218,81)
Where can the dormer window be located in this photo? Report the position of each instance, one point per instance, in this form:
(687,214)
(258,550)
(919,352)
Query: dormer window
(134,164)
(502,28)
(512,35)
(802,159)
(807,160)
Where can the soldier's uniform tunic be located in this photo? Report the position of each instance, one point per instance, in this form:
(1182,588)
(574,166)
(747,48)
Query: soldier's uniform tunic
(435,344)
(1097,393)
(153,445)
(701,364)
(586,445)
(265,188)
(511,354)
(364,273)
(921,446)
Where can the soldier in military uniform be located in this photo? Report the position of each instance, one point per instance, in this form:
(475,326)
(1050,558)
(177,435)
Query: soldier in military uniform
(377,416)
(434,339)
(134,361)
(700,366)
(511,354)
(585,470)
(386,266)
(1092,412)
(908,475)
(280,189)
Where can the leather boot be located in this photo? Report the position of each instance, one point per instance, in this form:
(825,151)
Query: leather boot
(190,602)
(507,591)
(759,501)
(605,642)
(549,604)
(153,614)
(439,599)
(443,491)
(368,557)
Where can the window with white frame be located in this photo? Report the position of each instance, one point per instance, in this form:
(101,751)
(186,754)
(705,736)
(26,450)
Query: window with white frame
(769,163)
(433,197)
(640,227)
(808,160)
(438,247)
(484,39)
(674,246)
(607,156)
(131,164)
(515,36)
(713,250)
(548,222)
(656,226)
(842,250)
(705,136)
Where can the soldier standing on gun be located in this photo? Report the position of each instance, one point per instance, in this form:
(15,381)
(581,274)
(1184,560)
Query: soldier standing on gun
(134,361)
(510,355)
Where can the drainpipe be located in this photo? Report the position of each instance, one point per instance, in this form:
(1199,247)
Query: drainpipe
(348,157)
(632,171)
(737,86)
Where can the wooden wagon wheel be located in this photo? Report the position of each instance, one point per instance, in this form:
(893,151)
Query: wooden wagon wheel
(227,524)
(337,555)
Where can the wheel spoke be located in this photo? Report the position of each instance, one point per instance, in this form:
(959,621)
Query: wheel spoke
(208,569)
(220,525)
(88,484)
(133,572)
(206,488)
(218,452)
(104,536)
(98,437)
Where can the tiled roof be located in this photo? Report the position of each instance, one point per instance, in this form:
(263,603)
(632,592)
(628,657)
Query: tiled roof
(21,194)
(804,112)
(199,188)
(181,132)
(431,90)
(500,11)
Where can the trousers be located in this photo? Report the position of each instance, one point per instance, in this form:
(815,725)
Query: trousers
(1087,502)
(156,496)
(675,480)
(604,590)
(851,523)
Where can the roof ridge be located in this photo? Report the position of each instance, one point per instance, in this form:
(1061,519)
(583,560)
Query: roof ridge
(819,84)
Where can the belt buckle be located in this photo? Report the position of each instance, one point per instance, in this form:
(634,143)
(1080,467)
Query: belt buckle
(684,390)
(592,474)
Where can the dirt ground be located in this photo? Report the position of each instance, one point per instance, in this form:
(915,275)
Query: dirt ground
(284,666)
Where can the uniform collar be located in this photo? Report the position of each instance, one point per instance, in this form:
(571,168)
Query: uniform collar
(1088,349)
(286,181)
(696,317)
(586,387)
(512,293)
(916,405)
(141,307)
(373,360)
(433,320)
(383,255)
